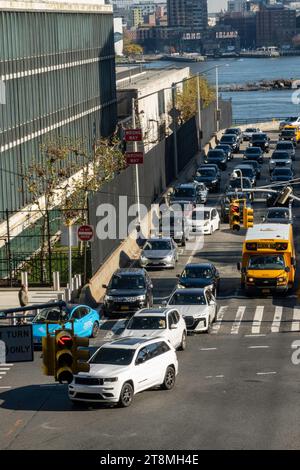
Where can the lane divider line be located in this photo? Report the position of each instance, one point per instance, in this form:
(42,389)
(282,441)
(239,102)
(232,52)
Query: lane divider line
(277,319)
(296,320)
(237,322)
(220,315)
(257,320)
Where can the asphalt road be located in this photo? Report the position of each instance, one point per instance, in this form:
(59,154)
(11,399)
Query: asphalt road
(237,387)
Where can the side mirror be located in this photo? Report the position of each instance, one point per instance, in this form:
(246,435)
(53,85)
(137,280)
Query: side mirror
(287,269)
(293,261)
(178,275)
(151,286)
(140,360)
(104,286)
(164,303)
(174,327)
(238,265)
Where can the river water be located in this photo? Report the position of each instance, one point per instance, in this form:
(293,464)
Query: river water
(249,105)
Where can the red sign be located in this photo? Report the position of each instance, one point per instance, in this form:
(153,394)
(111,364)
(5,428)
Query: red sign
(85,233)
(133,135)
(134,158)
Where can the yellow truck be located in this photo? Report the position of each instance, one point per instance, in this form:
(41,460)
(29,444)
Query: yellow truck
(268,259)
(290,133)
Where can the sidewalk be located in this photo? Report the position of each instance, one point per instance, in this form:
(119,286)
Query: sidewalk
(9,297)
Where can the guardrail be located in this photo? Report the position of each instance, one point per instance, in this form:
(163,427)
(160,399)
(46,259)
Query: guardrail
(258,120)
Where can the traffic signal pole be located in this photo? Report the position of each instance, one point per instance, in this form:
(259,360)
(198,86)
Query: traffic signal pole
(137,182)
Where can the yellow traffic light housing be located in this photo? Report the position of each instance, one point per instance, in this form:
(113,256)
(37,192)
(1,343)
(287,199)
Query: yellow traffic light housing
(235,215)
(248,217)
(80,355)
(48,348)
(64,341)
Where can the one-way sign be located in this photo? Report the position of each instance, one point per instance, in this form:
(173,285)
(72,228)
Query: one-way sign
(18,343)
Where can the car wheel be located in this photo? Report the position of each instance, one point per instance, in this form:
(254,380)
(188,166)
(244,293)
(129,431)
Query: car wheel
(95,330)
(182,346)
(169,380)
(126,395)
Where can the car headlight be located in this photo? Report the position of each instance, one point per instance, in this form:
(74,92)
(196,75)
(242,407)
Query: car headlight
(108,297)
(143,258)
(110,379)
(250,279)
(281,279)
(141,297)
(214,181)
(168,258)
(206,224)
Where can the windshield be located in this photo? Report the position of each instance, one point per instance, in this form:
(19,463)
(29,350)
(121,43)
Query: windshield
(206,172)
(253,150)
(158,245)
(216,153)
(227,138)
(266,262)
(236,183)
(281,171)
(183,298)
(278,214)
(127,282)
(223,147)
(259,137)
(288,133)
(248,172)
(147,323)
(201,215)
(197,273)
(285,146)
(184,192)
(117,356)
(50,314)
(280,156)
(250,130)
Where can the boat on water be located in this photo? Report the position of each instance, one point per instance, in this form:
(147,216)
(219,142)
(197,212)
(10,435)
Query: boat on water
(187,57)
(264,52)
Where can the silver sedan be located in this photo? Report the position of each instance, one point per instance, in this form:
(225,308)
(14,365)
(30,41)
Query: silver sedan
(159,252)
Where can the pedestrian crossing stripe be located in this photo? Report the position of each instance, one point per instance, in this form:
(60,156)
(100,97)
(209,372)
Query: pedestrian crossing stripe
(231,321)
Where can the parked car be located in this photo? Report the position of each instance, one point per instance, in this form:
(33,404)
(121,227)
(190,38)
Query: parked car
(248,133)
(291,121)
(205,220)
(247,172)
(197,306)
(159,252)
(232,140)
(188,192)
(261,140)
(254,153)
(202,191)
(218,157)
(210,177)
(227,149)
(200,275)
(280,174)
(175,225)
(122,368)
(128,290)
(86,321)
(228,198)
(278,215)
(287,147)
(280,158)
(236,131)
(256,167)
(165,323)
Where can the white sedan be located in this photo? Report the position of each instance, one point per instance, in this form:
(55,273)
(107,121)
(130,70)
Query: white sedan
(164,323)
(197,306)
(205,220)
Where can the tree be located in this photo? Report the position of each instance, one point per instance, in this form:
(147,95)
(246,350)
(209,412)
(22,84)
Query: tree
(187,98)
(132,49)
(62,177)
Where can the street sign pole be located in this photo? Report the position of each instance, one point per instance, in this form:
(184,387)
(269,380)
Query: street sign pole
(175,129)
(137,184)
(199,112)
(70,254)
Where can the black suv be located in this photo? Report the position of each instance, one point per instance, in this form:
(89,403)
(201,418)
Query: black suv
(186,192)
(200,275)
(217,156)
(261,140)
(232,140)
(209,176)
(128,290)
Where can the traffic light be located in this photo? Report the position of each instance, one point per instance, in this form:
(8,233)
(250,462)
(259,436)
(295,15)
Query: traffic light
(64,341)
(248,217)
(48,355)
(80,355)
(284,195)
(235,215)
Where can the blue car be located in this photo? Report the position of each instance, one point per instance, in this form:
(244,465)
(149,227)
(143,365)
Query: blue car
(86,321)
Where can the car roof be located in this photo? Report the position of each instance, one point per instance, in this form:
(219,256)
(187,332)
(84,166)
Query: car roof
(199,265)
(152,312)
(243,165)
(191,290)
(129,271)
(159,239)
(129,342)
(253,147)
(186,185)
(283,209)
(202,209)
(268,231)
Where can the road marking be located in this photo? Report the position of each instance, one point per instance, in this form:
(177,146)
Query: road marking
(277,319)
(266,373)
(258,347)
(296,320)
(4,368)
(2,373)
(255,336)
(208,349)
(6,365)
(237,322)
(219,376)
(2,388)
(257,319)
(220,315)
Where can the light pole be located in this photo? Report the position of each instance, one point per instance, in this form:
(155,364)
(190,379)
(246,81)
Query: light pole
(137,183)
(199,112)
(217,98)
(235,173)
(175,129)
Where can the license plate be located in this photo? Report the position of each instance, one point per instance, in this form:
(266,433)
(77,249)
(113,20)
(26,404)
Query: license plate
(124,307)
(265,291)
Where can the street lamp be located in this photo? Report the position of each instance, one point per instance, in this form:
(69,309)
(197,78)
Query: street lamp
(236,173)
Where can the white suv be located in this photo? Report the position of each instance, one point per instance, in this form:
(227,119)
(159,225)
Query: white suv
(122,368)
(166,323)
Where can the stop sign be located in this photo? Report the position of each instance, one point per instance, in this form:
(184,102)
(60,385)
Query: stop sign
(85,233)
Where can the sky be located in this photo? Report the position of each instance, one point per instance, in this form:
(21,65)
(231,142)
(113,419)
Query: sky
(216,5)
